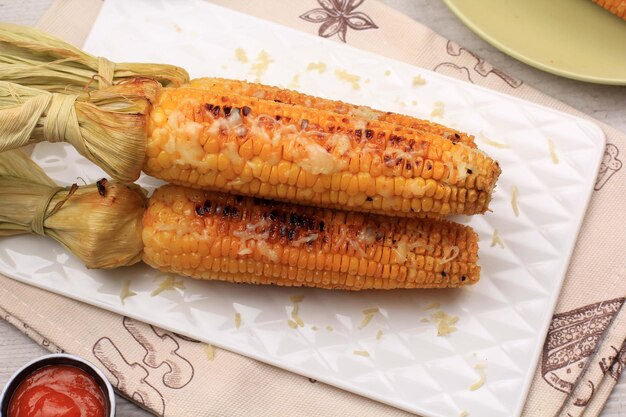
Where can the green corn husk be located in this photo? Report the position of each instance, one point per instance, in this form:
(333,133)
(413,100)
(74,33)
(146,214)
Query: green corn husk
(106,126)
(103,231)
(33,58)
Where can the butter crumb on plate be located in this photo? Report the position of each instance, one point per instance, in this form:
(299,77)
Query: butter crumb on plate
(126,291)
(352,79)
(241,56)
(317,66)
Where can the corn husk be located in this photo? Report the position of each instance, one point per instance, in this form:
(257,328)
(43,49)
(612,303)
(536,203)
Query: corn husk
(106,126)
(33,58)
(104,231)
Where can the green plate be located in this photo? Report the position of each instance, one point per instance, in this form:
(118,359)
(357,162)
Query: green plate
(572,38)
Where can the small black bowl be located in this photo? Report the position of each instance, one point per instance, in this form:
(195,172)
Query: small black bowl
(58,359)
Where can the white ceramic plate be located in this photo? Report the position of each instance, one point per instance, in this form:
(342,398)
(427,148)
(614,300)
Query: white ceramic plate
(503,319)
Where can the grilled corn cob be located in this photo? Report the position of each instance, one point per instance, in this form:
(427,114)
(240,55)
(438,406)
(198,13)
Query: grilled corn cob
(252,146)
(617,7)
(266,92)
(217,236)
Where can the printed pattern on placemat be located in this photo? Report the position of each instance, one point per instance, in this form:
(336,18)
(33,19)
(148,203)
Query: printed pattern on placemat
(336,16)
(572,338)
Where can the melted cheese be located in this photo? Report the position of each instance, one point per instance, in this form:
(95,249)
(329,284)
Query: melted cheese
(366,113)
(404,248)
(305,239)
(449,254)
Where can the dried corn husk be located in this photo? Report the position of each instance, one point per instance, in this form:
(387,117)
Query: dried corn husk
(106,126)
(33,58)
(100,224)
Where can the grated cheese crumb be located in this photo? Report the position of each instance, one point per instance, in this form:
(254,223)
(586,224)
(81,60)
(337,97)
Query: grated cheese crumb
(292,324)
(437,110)
(496,240)
(463,413)
(176,27)
(210,352)
(296,300)
(493,143)
(387,73)
(379,334)
(425,320)
(445,323)
(480,368)
(329,328)
(353,79)
(414,102)
(237,320)
(553,155)
(317,66)
(362,353)
(314,328)
(514,200)
(418,80)
(430,306)
(368,315)
(126,291)
(295,82)
(260,65)
(241,56)
(367,81)
(169,283)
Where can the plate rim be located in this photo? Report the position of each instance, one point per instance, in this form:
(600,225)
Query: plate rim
(453,6)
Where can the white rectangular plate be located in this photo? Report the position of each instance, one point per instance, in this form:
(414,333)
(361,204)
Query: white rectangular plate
(503,319)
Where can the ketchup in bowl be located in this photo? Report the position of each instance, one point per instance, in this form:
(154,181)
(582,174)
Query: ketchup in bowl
(58,391)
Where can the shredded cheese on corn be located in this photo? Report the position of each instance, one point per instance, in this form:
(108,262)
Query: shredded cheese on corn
(480,368)
(305,239)
(404,248)
(449,254)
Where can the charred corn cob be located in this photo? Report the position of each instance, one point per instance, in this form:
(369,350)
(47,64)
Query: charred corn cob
(216,236)
(617,7)
(223,237)
(252,146)
(266,92)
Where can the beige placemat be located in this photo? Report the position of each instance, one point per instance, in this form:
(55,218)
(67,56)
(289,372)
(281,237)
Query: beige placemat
(584,351)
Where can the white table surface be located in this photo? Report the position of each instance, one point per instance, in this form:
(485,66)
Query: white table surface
(605,103)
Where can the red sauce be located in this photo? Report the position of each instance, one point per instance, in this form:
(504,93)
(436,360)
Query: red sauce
(58,391)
